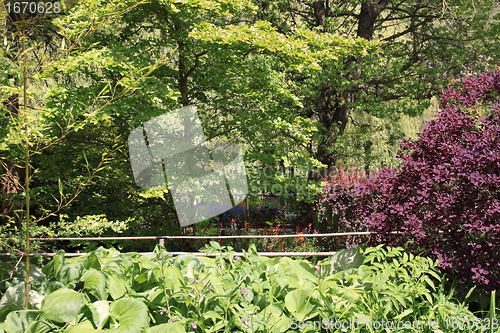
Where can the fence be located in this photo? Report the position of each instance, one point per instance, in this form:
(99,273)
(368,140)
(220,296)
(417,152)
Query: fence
(161,240)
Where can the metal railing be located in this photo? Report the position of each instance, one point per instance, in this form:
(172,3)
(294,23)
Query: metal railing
(161,240)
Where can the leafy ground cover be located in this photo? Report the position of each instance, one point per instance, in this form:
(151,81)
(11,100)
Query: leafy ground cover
(357,290)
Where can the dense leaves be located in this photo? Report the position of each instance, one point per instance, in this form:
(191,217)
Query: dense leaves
(424,44)
(444,199)
(336,209)
(120,63)
(359,288)
(299,85)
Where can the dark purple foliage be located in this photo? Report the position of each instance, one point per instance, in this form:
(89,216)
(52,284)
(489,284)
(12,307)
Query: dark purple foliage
(336,208)
(444,199)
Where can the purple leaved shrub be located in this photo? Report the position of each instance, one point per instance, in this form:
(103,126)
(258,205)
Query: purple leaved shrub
(444,199)
(336,208)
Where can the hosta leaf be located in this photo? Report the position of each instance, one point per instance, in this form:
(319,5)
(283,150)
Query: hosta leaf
(13,298)
(95,283)
(83,327)
(92,261)
(64,270)
(170,277)
(118,265)
(188,264)
(100,313)
(116,286)
(156,297)
(273,316)
(41,327)
(131,315)
(63,306)
(19,321)
(54,266)
(297,302)
(346,259)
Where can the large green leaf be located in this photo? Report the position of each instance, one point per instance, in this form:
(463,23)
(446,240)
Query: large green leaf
(170,277)
(83,327)
(64,270)
(63,306)
(188,264)
(131,315)
(14,298)
(92,261)
(346,259)
(117,287)
(294,274)
(19,321)
(100,313)
(274,318)
(297,302)
(95,283)
(41,327)
(119,264)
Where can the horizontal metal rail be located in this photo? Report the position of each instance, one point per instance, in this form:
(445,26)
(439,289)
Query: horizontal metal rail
(161,240)
(198,254)
(201,237)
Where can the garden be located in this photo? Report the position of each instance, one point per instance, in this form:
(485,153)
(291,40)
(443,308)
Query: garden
(369,139)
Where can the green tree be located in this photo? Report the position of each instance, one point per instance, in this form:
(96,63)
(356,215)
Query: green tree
(34,50)
(424,45)
(281,78)
(120,63)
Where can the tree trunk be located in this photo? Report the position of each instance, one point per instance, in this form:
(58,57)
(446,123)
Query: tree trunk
(370,10)
(333,106)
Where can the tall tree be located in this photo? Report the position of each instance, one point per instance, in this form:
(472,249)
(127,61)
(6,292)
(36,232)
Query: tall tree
(28,39)
(124,62)
(424,45)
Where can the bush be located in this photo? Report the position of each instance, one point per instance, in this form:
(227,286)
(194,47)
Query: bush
(335,210)
(444,199)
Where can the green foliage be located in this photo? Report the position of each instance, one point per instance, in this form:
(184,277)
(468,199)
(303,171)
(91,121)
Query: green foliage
(271,76)
(371,141)
(120,63)
(245,294)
